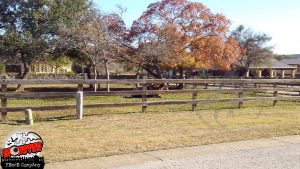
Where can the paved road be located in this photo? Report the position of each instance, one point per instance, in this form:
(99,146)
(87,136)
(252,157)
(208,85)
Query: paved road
(271,153)
(281,157)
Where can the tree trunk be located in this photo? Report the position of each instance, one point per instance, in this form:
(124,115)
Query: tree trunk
(138,77)
(89,74)
(107,74)
(246,69)
(180,86)
(98,77)
(95,77)
(23,76)
(153,71)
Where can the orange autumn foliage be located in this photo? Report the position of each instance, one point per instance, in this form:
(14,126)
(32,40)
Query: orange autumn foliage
(193,35)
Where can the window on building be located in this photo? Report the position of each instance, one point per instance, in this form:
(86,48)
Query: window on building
(32,68)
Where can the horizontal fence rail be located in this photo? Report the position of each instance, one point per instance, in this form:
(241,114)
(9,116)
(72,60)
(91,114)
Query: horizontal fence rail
(234,86)
(140,92)
(156,81)
(150,103)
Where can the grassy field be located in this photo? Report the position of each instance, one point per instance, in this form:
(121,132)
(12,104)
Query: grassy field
(111,131)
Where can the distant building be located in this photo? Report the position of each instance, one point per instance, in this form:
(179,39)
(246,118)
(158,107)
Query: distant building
(273,69)
(44,68)
(37,68)
(293,62)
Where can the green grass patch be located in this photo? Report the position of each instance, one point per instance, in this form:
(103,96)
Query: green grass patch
(112,131)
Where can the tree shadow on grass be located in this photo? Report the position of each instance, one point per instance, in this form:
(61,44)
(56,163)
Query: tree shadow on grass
(57,118)
(38,119)
(73,117)
(70,89)
(64,89)
(13,123)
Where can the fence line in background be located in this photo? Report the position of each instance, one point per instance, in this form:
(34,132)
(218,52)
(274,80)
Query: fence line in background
(155,81)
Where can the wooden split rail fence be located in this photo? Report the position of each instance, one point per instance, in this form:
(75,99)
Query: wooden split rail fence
(278,85)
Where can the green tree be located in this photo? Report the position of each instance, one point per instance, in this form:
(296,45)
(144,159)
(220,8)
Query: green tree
(254,48)
(93,40)
(29,29)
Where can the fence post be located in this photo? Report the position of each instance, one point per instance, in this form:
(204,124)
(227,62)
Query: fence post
(144,95)
(4,103)
(194,97)
(275,95)
(28,117)
(138,78)
(241,93)
(79,105)
(80,87)
(221,85)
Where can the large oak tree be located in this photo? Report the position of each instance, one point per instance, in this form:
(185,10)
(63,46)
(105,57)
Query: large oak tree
(179,34)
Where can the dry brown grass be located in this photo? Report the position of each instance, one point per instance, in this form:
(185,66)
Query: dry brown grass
(105,132)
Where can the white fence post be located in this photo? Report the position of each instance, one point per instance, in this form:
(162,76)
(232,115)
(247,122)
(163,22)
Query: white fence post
(79,105)
(28,117)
